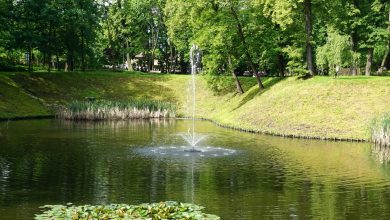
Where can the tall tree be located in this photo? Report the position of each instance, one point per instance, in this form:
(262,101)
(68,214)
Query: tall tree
(234,11)
(309,27)
(288,13)
(25,31)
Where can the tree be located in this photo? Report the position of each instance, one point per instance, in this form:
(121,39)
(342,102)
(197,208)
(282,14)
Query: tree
(78,32)
(365,22)
(135,27)
(25,31)
(234,12)
(336,53)
(5,23)
(287,13)
(229,32)
(385,64)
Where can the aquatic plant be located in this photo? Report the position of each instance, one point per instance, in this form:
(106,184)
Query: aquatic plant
(116,110)
(380,130)
(154,211)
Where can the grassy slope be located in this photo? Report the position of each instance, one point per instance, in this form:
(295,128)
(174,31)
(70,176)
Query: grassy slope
(318,107)
(15,102)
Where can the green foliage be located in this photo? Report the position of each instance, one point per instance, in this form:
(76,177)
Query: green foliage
(220,84)
(288,16)
(282,12)
(154,211)
(335,53)
(295,65)
(380,130)
(135,27)
(228,34)
(62,28)
(232,34)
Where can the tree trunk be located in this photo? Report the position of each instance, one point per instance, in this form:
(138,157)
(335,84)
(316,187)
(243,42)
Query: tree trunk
(58,62)
(370,54)
(170,59)
(183,64)
(82,52)
(176,62)
(50,48)
(386,61)
(309,46)
(151,64)
(236,80)
(72,64)
(154,39)
(247,54)
(128,60)
(49,62)
(29,60)
(282,65)
(167,55)
(354,48)
(69,65)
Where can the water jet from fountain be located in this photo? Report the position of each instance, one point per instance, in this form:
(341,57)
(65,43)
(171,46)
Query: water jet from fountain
(191,138)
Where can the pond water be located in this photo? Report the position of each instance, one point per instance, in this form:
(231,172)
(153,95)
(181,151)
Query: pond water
(261,177)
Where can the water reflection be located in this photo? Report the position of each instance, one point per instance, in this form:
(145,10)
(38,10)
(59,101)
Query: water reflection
(55,162)
(4,176)
(117,124)
(380,153)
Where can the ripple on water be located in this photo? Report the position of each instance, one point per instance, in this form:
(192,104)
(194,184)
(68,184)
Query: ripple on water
(185,152)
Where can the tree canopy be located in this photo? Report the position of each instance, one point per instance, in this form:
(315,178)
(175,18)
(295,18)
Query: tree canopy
(259,37)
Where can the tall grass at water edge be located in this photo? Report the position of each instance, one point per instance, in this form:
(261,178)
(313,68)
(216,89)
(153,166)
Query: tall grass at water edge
(380,130)
(117,110)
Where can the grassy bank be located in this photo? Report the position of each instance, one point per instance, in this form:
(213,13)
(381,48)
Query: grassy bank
(320,107)
(16,102)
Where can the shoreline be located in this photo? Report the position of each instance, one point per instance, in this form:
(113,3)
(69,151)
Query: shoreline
(290,136)
(27,118)
(236,128)
(319,108)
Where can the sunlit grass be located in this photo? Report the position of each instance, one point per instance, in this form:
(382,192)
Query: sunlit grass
(320,107)
(117,110)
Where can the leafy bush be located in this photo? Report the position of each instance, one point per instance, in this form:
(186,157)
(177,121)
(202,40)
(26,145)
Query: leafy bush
(220,84)
(6,65)
(155,211)
(380,130)
(336,52)
(113,110)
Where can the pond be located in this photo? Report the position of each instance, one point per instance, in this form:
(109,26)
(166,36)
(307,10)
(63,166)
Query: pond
(261,177)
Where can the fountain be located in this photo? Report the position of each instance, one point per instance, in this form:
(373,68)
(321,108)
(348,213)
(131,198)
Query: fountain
(191,137)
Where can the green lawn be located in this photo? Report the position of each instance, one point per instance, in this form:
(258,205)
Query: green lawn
(320,107)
